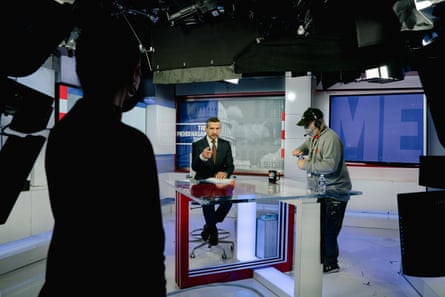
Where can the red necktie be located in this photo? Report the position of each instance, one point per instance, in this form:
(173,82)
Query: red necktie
(213,151)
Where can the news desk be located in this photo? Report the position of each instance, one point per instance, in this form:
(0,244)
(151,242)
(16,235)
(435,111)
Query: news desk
(298,233)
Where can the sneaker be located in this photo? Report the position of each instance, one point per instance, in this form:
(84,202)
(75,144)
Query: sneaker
(331,268)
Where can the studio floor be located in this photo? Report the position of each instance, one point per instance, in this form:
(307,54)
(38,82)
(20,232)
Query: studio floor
(369,259)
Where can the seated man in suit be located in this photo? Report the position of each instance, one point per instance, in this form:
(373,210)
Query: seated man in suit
(218,163)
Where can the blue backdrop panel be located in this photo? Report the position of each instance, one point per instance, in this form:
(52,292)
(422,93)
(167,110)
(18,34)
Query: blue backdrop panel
(192,117)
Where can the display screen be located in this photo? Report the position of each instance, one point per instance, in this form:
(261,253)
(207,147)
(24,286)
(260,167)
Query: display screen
(252,124)
(382,128)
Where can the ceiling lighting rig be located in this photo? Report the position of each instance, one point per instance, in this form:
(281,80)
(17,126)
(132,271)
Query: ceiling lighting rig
(304,16)
(294,17)
(119,8)
(196,13)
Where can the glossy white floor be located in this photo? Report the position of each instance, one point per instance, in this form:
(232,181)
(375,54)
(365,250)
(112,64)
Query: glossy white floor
(370,264)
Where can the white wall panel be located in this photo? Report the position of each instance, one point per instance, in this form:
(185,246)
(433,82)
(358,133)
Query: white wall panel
(161,128)
(298,99)
(136,117)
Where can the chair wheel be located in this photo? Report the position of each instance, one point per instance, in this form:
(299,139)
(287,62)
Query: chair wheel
(192,255)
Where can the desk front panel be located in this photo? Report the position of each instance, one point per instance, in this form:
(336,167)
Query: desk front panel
(246,256)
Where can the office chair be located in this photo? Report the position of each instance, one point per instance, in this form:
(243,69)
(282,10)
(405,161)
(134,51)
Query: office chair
(195,236)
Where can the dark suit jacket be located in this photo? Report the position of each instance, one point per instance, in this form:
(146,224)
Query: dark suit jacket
(104,193)
(206,169)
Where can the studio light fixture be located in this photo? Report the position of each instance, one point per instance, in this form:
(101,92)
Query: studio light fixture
(384,74)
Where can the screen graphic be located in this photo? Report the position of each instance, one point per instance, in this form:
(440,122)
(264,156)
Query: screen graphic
(385,128)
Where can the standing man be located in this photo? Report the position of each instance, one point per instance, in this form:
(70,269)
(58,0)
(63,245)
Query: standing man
(218,163)
(102,177)
(325,155)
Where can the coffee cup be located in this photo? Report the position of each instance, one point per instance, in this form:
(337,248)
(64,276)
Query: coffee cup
(273,176)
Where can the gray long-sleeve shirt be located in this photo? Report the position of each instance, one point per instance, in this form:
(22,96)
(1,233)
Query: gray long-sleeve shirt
(326,156)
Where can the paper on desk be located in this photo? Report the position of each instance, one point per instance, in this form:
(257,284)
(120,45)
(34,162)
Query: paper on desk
(223,181)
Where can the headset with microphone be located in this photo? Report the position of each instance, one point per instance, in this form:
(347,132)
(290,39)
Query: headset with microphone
(317,122)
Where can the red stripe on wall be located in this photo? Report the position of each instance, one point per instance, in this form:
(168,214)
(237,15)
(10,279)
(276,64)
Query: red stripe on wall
(63,92)
(283,134)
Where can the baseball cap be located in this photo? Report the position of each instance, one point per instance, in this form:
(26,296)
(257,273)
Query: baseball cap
(309,115)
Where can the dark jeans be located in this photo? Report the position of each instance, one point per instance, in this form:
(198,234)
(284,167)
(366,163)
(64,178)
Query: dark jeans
(332,212)
(215,213)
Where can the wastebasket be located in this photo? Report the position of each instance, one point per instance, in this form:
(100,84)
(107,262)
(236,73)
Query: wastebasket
(267,235)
